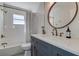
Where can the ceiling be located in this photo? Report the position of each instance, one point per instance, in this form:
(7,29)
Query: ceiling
(32,6)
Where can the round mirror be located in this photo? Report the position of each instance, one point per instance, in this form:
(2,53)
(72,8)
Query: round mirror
(61,14)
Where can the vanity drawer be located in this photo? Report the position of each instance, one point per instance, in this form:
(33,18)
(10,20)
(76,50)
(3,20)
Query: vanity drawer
(60,52)
(43,47)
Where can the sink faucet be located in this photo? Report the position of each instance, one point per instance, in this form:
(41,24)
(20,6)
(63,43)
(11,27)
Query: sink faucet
(4,44)
(55,33)
(61,34)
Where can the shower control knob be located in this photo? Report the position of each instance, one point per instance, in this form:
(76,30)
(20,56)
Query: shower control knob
(2,36)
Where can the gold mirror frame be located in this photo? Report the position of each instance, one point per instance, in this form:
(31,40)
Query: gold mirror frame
(67,23)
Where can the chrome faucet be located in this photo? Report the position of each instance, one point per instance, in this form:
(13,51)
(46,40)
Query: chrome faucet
(4,44)
(61,34)
(55,33)
(52,32)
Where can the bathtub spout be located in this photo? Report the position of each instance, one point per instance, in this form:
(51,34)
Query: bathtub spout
(4,44)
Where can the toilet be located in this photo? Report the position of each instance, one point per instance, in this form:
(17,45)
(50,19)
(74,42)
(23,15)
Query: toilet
(27,48)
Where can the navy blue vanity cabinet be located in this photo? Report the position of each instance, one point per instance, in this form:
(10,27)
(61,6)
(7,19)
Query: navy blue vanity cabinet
(44,48)
(56,51)
(33,46)
(41,48)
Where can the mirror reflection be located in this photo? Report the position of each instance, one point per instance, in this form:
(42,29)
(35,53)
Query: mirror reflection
(62,13)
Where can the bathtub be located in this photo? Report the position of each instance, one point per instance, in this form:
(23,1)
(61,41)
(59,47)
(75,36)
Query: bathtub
(10,50)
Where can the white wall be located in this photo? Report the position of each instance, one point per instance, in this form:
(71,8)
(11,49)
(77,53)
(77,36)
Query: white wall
(30,20)
(74,26)
(36,20)
(31,6)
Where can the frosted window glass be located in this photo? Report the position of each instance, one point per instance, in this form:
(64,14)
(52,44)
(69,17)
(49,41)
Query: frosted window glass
(18,19)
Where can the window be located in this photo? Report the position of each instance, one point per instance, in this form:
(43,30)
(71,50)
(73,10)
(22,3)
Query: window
(18,19)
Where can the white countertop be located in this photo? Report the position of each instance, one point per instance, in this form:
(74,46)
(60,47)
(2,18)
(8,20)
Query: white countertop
(71,45)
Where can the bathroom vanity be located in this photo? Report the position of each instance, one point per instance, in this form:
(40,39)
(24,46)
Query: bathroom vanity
(45,45)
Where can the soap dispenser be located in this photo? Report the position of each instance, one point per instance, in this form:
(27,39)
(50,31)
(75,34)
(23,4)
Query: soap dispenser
(68,33)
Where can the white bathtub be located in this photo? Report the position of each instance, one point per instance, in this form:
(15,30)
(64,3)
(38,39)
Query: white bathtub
(10,50)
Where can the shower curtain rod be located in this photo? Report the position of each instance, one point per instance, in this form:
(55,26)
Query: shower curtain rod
(13,7)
